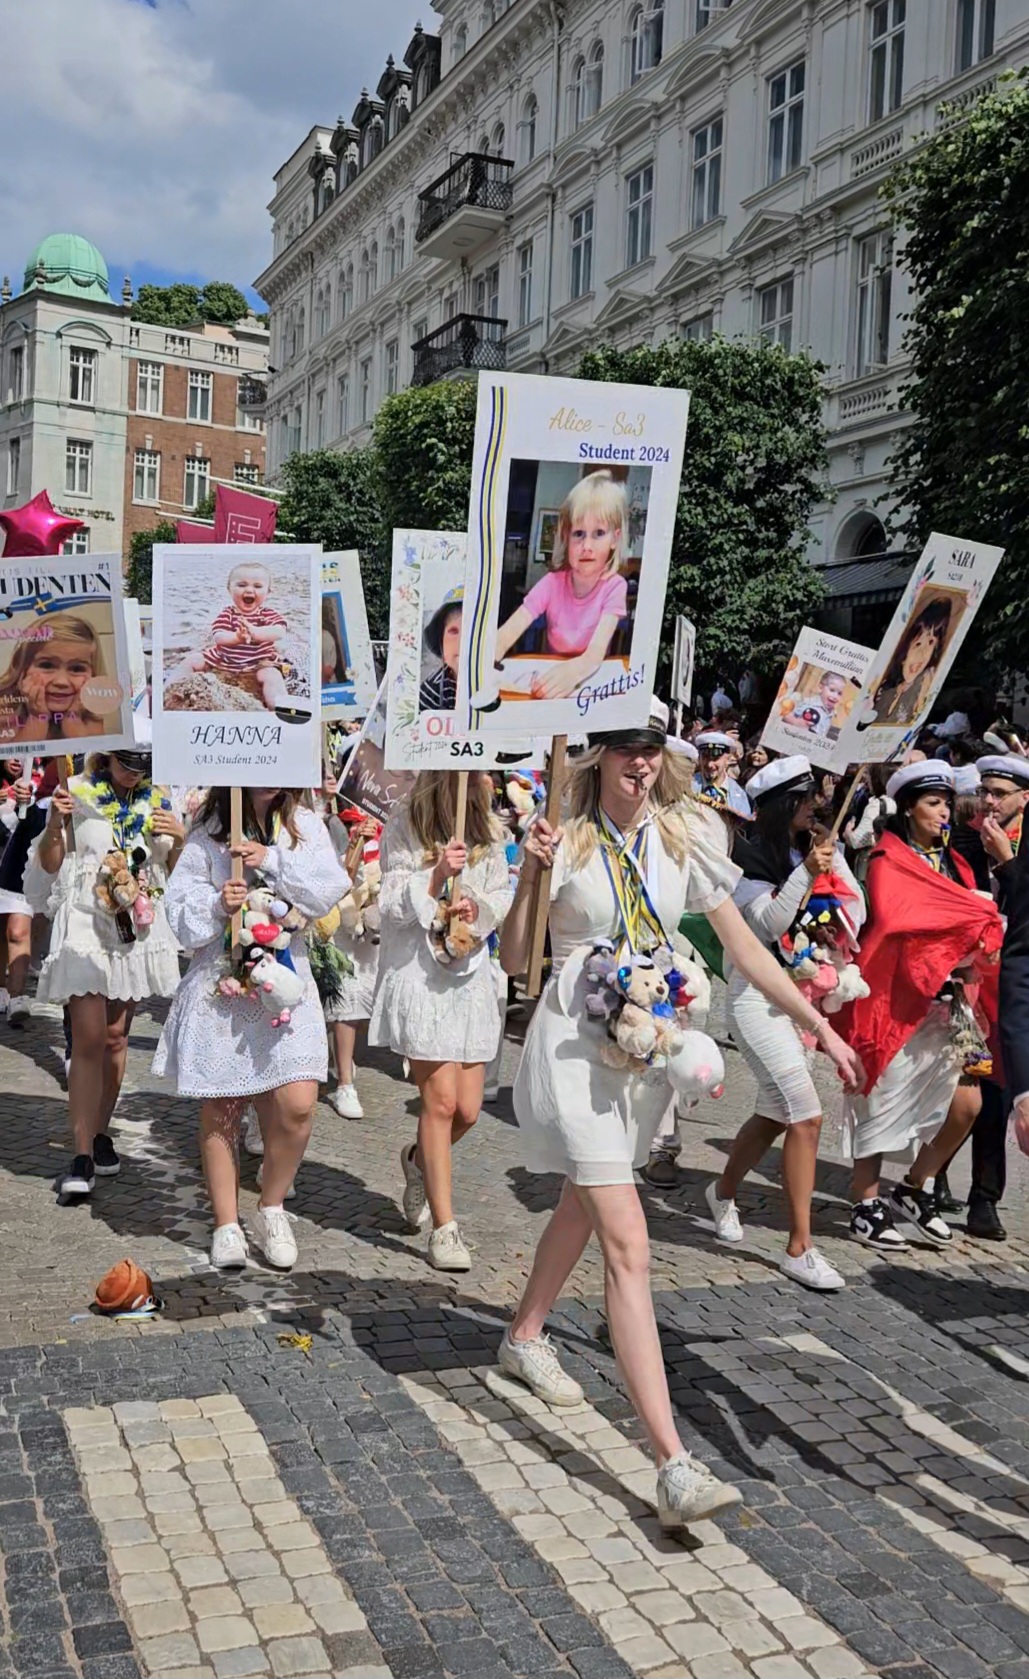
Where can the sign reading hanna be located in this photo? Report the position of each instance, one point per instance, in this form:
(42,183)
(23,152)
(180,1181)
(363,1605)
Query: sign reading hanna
(575,488)
(236,678)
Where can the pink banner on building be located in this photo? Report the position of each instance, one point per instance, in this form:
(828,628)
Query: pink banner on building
(239,517)
(187,531)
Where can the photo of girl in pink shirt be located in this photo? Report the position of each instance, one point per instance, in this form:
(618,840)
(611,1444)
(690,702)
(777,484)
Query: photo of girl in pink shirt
(583,597)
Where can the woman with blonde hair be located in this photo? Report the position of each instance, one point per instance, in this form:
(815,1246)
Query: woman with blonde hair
(40,692)
(637,852)
(440,1013)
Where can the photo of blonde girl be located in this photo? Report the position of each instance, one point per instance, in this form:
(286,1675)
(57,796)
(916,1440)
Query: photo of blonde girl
(583,597)
(43,693)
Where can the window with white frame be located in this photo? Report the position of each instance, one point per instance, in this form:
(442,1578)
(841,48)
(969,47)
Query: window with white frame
(639,228)
(246,472)
(16,373)
(366,390)
(589,83)
(199,403)
(886,52)
(874,302)
(698,329)
(487,292)
(460,41)
(785,121)
(525,254)
(149,387)
(399,247)
(707,11)
(389,255)
(977,22)
(582,252)
(247,420)
(342,404)
(78,467)
(420,330)
(775,313)
(82,376)
(319,419)
(197,481)
(146,475)
(323,310)
(707,173)
(76,543)
(13,465)
(346,290)
(296,430)
(646,38)
(530,117)
(391,366)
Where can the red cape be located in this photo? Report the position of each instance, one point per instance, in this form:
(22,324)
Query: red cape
(921,927)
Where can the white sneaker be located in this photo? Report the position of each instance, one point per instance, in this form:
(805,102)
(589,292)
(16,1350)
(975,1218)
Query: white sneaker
(253,1141)
(447,1252)
(291,1193)
(19,1010)
(272,1232)
(228,1248)
(5,1000)
(416,1207)
(346,1102)
(727,1221)
(536,1364)
(687,1492)
(812,1271)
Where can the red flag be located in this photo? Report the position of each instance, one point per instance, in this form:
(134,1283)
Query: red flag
(239,517)
(921,926)
(187,531)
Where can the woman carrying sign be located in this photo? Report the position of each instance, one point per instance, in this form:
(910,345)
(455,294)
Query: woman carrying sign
(111,945)
(636,853)
(436,998)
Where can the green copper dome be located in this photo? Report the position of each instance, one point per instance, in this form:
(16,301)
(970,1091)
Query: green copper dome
(71,266)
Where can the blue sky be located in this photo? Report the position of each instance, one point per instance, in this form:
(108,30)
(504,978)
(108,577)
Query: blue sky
(153,127)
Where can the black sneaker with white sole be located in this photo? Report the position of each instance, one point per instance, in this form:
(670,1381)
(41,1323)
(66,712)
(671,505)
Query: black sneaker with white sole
(917,1207)
(105,1156)
(77,1180)
(871,1222)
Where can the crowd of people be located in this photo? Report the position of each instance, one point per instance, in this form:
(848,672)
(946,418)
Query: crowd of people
(888,931)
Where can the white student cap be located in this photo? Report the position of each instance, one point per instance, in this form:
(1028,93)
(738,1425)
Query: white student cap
(932,776)
(653,733)
(966,779)
(716,738)
(1008,765)
(685,748)
(782,775)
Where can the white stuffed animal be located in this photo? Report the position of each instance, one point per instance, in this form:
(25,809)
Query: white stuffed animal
(696,1069)
(851,986)
(279,988)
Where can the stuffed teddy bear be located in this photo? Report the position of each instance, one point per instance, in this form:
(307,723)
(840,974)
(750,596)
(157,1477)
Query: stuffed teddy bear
(646,1024)
(851,985)
(278,988)
(116,885)
(450,937)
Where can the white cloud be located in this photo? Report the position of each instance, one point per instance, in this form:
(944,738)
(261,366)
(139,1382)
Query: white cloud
(155,130)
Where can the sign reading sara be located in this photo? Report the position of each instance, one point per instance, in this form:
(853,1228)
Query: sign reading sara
(935,614)
(822,684)
(575,487)
(236,689)
(65,682)
(348,673)
(426,629)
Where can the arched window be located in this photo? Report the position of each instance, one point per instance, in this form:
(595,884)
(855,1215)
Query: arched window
(301,329)
(389,256)
(460,42)
(595,78)
(498,140)
(366,276)
(323,310)
(861,537)
(398,246)
(484,145)
(325,193)
(579,92)
(346,290)
(530,117)
(373,267)
(646,38)
(489,15)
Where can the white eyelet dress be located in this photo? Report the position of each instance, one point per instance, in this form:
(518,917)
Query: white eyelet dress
(216,1046)
(424,1010)
(87,956)
(357,990)
(578,1117)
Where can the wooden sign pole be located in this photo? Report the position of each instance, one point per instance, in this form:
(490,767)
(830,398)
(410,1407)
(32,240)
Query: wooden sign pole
(460,823)
(834,831)
(236,840)
(63,766)
(541,908)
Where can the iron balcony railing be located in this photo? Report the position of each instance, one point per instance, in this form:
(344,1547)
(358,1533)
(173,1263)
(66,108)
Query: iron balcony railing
(475,179)
(251,393)
(466,341)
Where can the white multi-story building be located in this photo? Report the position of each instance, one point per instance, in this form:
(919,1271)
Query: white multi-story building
(544,175)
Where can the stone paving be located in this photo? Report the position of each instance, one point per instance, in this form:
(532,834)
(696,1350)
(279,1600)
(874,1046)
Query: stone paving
(325,1474)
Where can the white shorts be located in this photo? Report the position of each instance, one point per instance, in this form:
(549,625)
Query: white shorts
(768,1041)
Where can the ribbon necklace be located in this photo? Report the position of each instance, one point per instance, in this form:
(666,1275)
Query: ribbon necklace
(625,861)
(129,818)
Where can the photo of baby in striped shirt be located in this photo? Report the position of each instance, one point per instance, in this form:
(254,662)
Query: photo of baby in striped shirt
(246,636)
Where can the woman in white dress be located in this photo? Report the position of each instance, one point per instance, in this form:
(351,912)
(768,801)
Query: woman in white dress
(349,1012)
(443,1018)
(224,1050)
(23,817)
(781,858)
(101,965)
(632,821)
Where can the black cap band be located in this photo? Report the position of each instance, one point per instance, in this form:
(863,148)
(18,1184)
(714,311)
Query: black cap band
(140,761)
(652,736)
(804,783)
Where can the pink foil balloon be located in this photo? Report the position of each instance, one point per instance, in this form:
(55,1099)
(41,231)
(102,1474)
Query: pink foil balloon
(36,529)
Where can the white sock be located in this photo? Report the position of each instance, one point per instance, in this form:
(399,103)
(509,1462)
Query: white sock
(266,1207)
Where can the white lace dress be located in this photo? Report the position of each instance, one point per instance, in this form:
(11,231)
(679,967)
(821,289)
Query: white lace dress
(357,990)
(215,1046)
(87,956)
(578,1117)
(424,1010)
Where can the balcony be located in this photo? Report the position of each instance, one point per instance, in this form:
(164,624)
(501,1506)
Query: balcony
(251,392)
(465,207)
(468,342)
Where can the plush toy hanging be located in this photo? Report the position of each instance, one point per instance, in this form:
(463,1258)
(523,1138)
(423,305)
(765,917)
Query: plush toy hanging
(644,1002)
(818,951)
(124,889)
(263,969)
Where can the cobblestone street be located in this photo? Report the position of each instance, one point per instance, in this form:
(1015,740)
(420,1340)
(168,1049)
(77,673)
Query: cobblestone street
(210,1493)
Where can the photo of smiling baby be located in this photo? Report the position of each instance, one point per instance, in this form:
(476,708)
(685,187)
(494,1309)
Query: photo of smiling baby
(238,634)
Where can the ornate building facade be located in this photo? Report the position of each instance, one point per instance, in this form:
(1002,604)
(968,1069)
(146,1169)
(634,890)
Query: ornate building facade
(543,175)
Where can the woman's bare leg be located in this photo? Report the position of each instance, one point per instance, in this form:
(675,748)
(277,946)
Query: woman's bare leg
(119,1022)
(219,1152)
(86,1074)
(285,1116)
(19,952)
(752,1142)
(344,1037)
(961,1116)
(560,1249)
(451,1096)
(867,1177)
(799,1164)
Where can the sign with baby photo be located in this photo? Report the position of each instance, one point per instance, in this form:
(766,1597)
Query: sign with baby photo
(935,614)
(423,730)
(823,680)
(348,673)
(65,681)
(575,488)
(236,693)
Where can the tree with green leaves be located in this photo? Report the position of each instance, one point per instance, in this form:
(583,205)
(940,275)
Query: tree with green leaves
(139,574)
(333,499)
(181,304)
(963,464)
(422,440)
(754,469)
